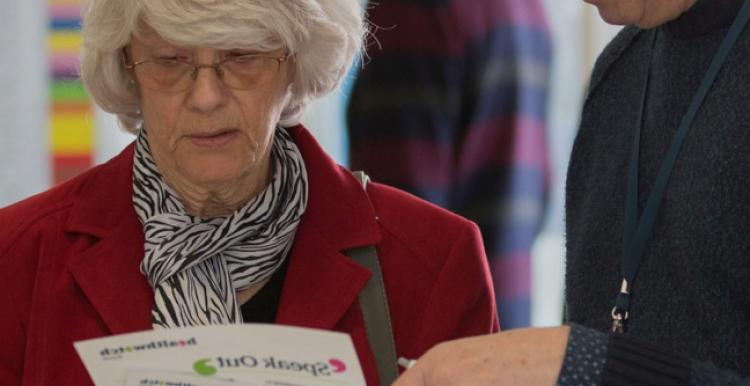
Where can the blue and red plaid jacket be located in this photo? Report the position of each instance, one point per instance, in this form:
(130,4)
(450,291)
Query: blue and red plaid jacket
(451,106)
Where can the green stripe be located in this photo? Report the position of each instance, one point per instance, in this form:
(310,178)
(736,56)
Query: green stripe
(68,91)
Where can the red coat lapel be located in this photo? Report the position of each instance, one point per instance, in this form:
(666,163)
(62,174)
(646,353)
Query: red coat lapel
(110,277)
(108,272)
(322,282)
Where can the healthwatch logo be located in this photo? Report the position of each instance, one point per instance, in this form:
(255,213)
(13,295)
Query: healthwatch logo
(211,366)
(118,352)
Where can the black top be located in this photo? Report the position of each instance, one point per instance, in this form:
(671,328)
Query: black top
(691,295)
(262,307)
(705,17)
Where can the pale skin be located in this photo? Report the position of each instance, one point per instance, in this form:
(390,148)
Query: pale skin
(532,356)
(211,179)
(642,13)
(517,357)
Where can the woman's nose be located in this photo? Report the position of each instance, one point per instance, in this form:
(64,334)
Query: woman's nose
(208,92)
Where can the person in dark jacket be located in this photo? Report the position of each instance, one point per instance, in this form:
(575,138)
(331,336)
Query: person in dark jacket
(657,217)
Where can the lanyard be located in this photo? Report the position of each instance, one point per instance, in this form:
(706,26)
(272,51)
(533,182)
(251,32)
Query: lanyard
(638,232)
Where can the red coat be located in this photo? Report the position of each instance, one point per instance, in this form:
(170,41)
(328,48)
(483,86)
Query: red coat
(69,266)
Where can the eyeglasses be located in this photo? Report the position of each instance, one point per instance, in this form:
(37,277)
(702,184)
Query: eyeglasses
(242,72)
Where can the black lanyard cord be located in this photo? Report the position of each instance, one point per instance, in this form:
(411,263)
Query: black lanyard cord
(637,233)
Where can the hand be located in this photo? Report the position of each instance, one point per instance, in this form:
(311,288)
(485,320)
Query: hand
(530,357)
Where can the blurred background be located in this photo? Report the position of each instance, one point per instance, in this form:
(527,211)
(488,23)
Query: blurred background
(514,72)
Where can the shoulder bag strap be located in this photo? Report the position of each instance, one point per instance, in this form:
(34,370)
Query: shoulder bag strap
(374,304)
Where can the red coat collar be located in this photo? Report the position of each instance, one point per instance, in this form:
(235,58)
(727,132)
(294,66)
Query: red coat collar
(321,282)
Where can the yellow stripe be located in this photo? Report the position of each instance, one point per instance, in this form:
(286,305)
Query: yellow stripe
(72,133)
(65,42)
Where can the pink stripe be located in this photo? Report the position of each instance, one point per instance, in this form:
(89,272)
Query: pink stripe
(512,276)
(64,64)
(490,144)
(65,12)
(504,141)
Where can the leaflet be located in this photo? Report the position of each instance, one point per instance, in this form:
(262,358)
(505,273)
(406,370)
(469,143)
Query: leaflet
(239,355)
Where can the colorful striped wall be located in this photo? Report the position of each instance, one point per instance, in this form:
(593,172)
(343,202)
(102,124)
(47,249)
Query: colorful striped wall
(71,122)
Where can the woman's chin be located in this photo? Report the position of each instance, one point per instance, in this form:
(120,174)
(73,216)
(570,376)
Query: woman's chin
(212,180)
(207,173)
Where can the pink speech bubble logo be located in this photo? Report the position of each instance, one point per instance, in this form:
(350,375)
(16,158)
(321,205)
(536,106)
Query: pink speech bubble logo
(338,365)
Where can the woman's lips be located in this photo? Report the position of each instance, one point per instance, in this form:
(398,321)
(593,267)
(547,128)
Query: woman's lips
(213,140)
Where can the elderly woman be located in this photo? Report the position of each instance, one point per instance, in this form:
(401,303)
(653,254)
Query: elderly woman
(224,209)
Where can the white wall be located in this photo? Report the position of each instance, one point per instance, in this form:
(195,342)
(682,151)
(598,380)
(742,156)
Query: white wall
(578,35)
(24,161)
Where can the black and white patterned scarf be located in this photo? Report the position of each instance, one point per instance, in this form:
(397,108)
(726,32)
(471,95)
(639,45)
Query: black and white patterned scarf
(196,266)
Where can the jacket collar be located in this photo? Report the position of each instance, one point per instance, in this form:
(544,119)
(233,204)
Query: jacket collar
(321,282)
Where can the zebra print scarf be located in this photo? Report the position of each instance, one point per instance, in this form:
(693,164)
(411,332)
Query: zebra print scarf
(196,266)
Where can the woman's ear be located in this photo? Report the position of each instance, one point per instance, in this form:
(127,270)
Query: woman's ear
(291,68)
(125,55)
(126,59)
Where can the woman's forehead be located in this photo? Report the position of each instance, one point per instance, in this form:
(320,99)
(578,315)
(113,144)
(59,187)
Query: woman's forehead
(154,41)
(151,39)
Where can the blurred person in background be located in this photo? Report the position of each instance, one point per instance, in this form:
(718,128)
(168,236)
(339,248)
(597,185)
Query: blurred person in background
(451,106)
(657,186)
(224,209)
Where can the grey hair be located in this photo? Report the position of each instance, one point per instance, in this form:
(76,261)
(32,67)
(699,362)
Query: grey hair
(323,37)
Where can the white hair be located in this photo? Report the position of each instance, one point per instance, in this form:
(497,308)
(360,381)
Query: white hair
(323,36)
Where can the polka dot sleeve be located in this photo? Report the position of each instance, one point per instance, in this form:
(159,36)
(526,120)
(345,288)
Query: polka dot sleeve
(585,357)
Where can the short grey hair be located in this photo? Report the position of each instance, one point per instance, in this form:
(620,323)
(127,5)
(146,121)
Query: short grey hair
(323,37)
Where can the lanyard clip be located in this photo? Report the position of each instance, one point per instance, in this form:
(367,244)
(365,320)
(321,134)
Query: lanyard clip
(618,320)
(620,312)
